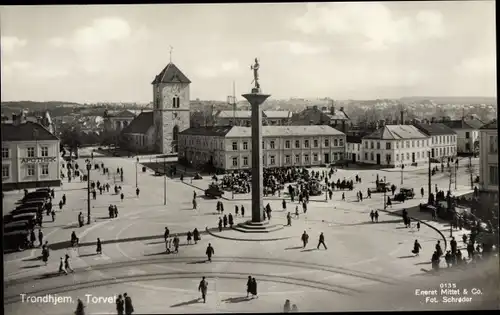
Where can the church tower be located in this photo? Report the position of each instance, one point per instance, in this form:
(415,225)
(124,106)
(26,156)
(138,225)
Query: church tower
(171,104)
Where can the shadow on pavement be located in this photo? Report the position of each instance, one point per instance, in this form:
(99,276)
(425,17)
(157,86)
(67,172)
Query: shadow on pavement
(423,263)
(193,301)
(236,299)
(33,259)
(157,254)
(87,255)
(309,250)
(409,256)
(196,262)
(31,267)
(72,226)
(296,247)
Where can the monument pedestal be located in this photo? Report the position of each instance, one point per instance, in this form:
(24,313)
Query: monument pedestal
(257,227)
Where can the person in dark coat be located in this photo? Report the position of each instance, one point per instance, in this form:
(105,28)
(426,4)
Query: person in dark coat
(40,237)
(60,204)
(376,216)
(416,248)
(99,246)
(439,251)
(189,237)
(120,305)
(305,239)
(122,196)
(137,191)
(236,210)
(284,205)
(249,285)
(80,308)
(196,235)
(372,215)
(322,240)
(220,224)
(230,220)
(203,287)
(453,245)
(45,255)
(129,308)
(253,288)
(242,211)
(166,234)
(209,252)
(64,199)
(221,207)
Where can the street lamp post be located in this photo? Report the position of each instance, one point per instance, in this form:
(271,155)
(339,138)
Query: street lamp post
(136,173)
(385,192)
(164,181)
(89,166)
(402,168)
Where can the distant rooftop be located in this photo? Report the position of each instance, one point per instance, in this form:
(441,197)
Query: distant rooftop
(267,131)
(171,74)
(396,132)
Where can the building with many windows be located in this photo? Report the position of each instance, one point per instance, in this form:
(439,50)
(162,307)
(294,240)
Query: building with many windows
(396,145)
(488,157)
(467,134)
(443,139)
(229,147)
(30,156)
(354,149)
(333,117)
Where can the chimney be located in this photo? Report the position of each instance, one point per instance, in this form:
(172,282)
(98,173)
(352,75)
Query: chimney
(332,110)
(402,117)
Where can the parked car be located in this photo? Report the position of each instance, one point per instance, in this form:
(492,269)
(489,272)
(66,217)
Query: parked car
(31,217)
(17,226)
(48,190)
(37,195)
(39,205)
(408,192)
(25,210)
(214,191)
(381,187)
(426,207)
(16,240)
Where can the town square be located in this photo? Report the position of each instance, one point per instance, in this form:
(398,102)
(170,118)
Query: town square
(173,207)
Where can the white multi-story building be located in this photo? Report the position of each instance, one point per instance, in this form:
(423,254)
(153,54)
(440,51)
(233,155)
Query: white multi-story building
(30,156)
(488,157)
(354,149)
(467,134)
(443,139)
(396,145)
(229,147)
(243,118)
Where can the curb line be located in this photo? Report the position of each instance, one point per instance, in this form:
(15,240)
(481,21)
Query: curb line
(247,239)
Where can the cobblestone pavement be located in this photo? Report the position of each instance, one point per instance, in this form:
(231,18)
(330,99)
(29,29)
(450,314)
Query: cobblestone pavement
(360,254)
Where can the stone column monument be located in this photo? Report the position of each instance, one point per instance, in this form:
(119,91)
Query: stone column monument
(256,98)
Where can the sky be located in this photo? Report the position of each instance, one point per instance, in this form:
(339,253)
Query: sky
(354,50)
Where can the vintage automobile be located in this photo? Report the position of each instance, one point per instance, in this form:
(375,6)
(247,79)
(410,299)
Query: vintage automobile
(17,226)
(25,210)
(30,217)
(315,188)
(16,240)
(407,192)
(426,207)
(197,176)
(47,190)
(214,191)
(39,203)
(381,187)
(344,185)
(37,195)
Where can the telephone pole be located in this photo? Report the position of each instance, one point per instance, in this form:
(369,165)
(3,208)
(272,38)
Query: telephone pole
(429,186)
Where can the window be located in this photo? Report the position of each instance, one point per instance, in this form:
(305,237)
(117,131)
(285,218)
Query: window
(341,142)
(378,145)
(45,169)
(397,144)
(297,144)
(288,160)
(45,151)
(335,156)
(366,156)
(306,143)
(397,157)
(387,145)
(388,158)
(306,158)
(402,157)
(358,146)
(31,170)
(245,145)
(408,144)
(315,143)
(493,175)
(372,156)
(5,153)
(467,135)
(271,144)
(235,146)
(272,159)
(402,144)
(235,161)
(366,144)
(315,157)
(372,146)
(31,152)
(493,144)
(327,142)
(407,156)
(418,155)
(5,171)
(263,146)
(297,159)
(335,142)
(287,144)
(245,160)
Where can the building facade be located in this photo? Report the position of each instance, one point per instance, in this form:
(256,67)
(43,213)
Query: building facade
(443,139)
(171,105)
(333,117)
(488,157)
(229,147)
(396,145)
(467,131)
(354,149)
(117,120)
(243,118)
(140,134)
(30,156)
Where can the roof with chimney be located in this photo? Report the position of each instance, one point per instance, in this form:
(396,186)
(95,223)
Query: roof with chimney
(396,132)
(140,124)
(315,116)
(267,131)
(26,131)
(171,74)
(434,129)
(491,125)
(246,114)
(120,113)
(464,124)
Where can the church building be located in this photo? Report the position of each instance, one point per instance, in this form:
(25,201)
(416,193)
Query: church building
(157,131)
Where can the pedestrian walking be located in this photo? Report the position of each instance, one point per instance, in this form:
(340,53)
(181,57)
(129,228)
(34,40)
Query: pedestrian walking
(210,251)
(236,210)
(230,220)
(297,212)
(120,306)
(343,196)
(61,266)
(45,254)
(287,307)
(305,239)
(203,287)
(196,235)
(439,251)
(372,215)
(289,219)
(194,204)
(416,248)
(137,191)
(176,242)
(40,237)
(67,265)
(418,226)
(376,216)
(224,219)
(53,214)
(253,288)
(80,308)
(122,196)
(166,234)
(220,224)
(249,285)
(189,237)
(129,308)
(64,199)
(284,205)
(98,246)
(322,240)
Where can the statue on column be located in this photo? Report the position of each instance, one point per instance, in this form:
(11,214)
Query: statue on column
(255,69)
